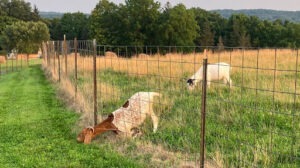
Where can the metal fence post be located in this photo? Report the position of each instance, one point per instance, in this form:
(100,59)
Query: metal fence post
(21,62)
(95,80)
(65,54)
(203,113)
(54,56)
(44,51)
(47,51)
(17,59)
(58,59)
(27,59)
(6,67)
(12,64)
(75,46)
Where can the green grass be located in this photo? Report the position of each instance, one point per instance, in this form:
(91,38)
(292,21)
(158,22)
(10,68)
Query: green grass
(16,65)
(247,128)
(38,131)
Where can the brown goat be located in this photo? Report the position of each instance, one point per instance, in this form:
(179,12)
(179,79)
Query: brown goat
(126,119)
(89,133)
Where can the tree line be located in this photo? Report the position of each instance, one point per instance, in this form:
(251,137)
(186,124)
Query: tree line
(21,27)
(147,22)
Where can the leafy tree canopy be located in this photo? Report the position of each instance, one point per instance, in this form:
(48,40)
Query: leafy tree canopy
(24,36)
(19,9)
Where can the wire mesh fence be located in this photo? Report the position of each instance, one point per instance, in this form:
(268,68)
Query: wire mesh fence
(252,115)
(17,62)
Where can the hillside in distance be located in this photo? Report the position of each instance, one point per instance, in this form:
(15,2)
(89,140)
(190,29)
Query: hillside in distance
(264,14)
(51,15)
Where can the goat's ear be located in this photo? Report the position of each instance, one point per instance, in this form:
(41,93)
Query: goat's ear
(88,137)
(110,118)
(126,104)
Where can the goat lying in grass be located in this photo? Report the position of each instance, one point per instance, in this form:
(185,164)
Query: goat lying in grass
(125,119)
(216,71)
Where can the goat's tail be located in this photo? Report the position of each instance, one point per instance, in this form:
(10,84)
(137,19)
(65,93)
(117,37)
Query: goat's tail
(153,94)
(148,96)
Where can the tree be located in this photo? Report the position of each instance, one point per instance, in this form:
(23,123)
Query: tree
(178,27)
(19,9)
(133,23)
(103,22)
(211,26)
(207,36)
(24,36)
(35,14)
(55,29)
(142,17)
(4,7)
(74,25)
(236,33)
(220,43)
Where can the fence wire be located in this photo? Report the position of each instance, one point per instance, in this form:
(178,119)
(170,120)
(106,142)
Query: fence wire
(252,122)
(17,62)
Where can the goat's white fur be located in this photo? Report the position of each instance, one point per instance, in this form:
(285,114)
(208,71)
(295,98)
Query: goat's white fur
(134,112)
(215,71)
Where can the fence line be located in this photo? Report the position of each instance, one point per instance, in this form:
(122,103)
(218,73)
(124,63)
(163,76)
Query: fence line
(254,122)
(16,63)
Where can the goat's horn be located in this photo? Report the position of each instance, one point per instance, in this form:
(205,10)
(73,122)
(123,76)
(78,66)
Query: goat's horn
(92,128)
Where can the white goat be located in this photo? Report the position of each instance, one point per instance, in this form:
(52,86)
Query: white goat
(216,71)
(125,119)
(134,112)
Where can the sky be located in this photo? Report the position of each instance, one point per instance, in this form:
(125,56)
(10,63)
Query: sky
(86,6)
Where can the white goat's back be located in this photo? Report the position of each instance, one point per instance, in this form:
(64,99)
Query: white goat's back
(218,71)
(134,111)
(215,71)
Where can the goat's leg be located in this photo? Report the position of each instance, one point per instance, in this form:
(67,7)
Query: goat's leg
(225,80)
(230,83)
(88,138)
(155,122)
(135,132)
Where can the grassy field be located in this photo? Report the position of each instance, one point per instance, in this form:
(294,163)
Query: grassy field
(256,123)
(12,65)
(38,131)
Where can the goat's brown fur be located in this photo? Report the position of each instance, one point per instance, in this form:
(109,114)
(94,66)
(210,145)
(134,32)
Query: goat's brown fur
(89,133)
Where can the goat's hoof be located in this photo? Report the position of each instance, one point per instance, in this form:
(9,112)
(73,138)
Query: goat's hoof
(135,132)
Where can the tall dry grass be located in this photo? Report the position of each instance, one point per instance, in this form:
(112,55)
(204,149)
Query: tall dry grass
(82,99)
(175,64)
(272,70)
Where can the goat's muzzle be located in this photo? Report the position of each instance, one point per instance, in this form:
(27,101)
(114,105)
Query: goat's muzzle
(82,135)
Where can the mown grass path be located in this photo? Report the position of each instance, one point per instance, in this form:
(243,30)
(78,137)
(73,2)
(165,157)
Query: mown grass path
(36,128)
